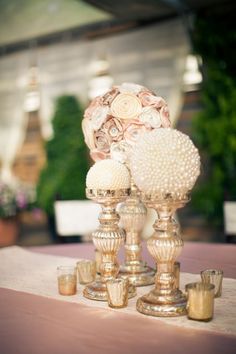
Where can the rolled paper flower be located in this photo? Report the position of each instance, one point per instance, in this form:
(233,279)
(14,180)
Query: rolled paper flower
(97,155)
(126,106)
(113,127)
(88,133)
(151,117)
(165,116)
(133,130)
(102,141)
(108,175)
(120,151)
(165,161)
(109,96)
(93,105)
(131,88)
(98,116)
(148,99)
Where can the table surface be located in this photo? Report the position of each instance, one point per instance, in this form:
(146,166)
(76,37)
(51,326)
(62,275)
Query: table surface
(33,324)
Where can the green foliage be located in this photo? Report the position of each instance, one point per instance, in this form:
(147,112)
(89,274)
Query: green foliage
(214,129)
(67,161)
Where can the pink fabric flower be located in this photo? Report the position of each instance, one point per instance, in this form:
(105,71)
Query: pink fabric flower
(102,141)
(97,155)
(114,128)
(150,116)
(165,117)
(96,102)
(133,130)
(148,99)
(88,133)
(99,116)
(109,96)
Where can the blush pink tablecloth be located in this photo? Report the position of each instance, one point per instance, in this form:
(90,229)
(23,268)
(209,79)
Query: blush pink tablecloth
(32,324)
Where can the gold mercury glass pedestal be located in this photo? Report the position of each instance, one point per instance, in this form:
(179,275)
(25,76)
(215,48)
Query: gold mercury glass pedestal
(107,239)
(165,245)
(133,215)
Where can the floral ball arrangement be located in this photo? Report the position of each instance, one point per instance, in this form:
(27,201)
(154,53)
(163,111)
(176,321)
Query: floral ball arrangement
(116,175)
(113,122)
(165,161)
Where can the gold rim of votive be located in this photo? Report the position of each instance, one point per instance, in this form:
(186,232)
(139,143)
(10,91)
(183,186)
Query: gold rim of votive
(199,286)
(66,268)
(212,271)
(120,280)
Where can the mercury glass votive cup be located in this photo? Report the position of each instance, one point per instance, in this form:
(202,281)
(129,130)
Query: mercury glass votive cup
(200,301)
(67,280)
(86,270)
(215,277)
(118,290)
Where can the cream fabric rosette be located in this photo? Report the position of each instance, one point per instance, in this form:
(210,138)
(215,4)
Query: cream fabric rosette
(113,122)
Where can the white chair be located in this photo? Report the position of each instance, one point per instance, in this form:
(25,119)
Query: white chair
(230,220)
(76,217)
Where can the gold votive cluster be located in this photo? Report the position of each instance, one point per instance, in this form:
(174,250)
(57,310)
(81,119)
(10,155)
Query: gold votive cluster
(200,295)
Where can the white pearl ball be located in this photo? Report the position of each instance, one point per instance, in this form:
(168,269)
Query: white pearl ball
(108,174)
(165,161)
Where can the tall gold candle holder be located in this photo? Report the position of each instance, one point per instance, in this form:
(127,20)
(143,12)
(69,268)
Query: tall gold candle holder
(164,245)
(108,238)
(133,215)
(165,165)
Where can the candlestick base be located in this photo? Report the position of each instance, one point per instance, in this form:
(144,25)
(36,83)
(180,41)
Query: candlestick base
(153,304)
(165,245)
(139,274)
(98,291)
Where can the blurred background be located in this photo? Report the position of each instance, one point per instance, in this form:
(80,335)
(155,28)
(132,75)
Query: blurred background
(57,55)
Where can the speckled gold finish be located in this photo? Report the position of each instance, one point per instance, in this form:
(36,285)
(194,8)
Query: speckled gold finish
(165,245)
(133,215)
(107,239)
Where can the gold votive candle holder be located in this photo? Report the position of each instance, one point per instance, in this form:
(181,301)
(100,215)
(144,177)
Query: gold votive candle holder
(215,277)
(200,301)
(117,290)
(67,280)
(86,270)
(177,274)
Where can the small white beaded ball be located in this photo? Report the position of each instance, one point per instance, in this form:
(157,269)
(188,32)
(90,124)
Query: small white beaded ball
(108,175)
(165,161)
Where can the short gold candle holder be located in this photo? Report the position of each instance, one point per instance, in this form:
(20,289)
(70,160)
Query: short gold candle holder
(118,291)
(133,215)
(67,281)
(200,304)
(107,239)
(165,245)
(215,277)
(86,271)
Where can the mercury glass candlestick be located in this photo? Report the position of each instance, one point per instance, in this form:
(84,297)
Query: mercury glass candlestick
(164,245)
(108,183)
(133,215)
(165,165)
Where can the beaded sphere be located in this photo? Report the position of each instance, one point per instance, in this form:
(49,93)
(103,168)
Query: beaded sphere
(165,161)
(108,175)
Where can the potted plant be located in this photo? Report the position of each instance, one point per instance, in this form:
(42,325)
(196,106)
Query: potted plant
(14,198)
